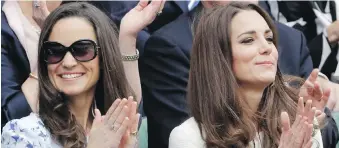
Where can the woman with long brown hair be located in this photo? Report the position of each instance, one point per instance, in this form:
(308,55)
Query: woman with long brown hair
(82,62)
(236,92)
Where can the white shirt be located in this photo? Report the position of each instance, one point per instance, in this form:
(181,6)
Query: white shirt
(187,135)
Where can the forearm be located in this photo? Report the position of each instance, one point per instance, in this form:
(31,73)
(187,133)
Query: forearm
(127,46)
(30,89)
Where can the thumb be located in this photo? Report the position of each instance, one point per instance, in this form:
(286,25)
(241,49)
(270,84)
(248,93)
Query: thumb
(285,122)
(97,118)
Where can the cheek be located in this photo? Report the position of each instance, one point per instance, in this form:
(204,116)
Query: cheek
(52,70)
(95,68)
(243,61)
(243,57)
(275,53)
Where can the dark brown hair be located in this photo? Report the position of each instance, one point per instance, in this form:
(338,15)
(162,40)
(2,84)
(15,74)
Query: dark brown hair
(223,116)
(112,83)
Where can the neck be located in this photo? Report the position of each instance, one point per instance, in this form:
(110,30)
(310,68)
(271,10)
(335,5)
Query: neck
(252,95)
(81,106)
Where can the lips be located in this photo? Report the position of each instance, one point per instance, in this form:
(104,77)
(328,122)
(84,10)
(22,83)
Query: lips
(264,63)
(71,75)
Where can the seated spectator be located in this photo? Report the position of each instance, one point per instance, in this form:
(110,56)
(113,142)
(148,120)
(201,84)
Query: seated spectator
(164,71)
(236,92)
(79,66)
(20,30)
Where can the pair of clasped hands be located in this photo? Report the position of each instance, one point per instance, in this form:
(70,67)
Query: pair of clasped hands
(299,134)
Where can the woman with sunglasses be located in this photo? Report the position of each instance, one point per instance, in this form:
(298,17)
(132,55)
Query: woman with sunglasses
(80,65)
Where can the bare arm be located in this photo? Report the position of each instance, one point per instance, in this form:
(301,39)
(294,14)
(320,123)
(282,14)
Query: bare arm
(128,47)
(131,24)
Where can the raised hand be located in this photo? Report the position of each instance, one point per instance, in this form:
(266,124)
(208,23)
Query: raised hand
(300,133)
(140,16)
(107,131)
(40,12)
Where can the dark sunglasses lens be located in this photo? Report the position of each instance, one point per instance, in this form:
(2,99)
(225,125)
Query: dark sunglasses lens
(54,53)
(84,51)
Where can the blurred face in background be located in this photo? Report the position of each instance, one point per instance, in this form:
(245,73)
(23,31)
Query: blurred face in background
(254,54)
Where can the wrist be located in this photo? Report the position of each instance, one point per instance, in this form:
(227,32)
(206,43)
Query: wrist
(127,44)
(127,34)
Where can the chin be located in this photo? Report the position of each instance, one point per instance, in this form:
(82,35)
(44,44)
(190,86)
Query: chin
(267,80)
(71,92)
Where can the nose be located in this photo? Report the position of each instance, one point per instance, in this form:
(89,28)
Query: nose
(265,46)
(69,61)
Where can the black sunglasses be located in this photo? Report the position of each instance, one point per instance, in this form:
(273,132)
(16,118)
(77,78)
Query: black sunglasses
(82,50)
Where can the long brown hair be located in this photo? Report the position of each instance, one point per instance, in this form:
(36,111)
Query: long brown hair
(112,83)
(223,117)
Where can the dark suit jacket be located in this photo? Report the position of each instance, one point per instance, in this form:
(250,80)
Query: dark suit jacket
(117,9)
(164,70)
(170,12)
(14,71)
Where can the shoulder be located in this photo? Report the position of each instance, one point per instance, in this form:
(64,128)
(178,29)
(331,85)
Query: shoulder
(189,126)
(186,135)
(26,132)
(286,32)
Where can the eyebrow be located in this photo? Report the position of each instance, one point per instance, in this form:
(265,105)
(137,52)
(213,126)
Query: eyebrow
(253,32)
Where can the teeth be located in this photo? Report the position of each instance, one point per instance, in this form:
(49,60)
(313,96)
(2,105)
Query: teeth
(69,76)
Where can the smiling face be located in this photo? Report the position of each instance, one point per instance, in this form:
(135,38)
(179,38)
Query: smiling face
(254,54)
(69,75)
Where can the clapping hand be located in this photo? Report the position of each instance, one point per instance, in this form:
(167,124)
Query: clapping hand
(299,134)
(319,94)
(130,139)
(107,131)
(311,90)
